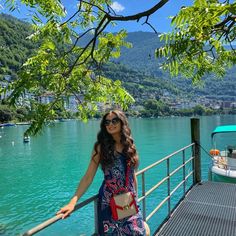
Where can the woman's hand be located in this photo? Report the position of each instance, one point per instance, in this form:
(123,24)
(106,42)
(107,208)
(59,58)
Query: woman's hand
(66,210)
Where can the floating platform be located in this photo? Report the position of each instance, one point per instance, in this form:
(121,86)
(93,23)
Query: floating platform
(208,209)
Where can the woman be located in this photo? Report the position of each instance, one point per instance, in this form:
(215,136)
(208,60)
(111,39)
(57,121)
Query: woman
(113,150)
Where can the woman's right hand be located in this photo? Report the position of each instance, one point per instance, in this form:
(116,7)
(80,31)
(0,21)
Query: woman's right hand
(66,210)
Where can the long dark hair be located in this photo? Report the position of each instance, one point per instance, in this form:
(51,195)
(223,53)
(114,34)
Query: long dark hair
(106,143)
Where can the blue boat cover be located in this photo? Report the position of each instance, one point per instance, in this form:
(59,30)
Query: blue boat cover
(224,129)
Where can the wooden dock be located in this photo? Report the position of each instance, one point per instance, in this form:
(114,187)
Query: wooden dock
(209,209)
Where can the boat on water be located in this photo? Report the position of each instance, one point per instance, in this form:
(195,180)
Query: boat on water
(223,166)
(23,123)
(26,139)
(7,124)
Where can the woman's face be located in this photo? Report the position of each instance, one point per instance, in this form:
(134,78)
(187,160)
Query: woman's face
(113,124)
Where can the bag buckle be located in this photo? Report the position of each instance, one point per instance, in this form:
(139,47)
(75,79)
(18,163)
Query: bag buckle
(126,207)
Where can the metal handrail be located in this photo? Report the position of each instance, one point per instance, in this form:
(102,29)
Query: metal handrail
(144,192)
(54,219)
(167,178)
(167,198)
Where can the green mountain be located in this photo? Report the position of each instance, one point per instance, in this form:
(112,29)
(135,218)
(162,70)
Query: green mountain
(142,57)
(141,85)
(14,45)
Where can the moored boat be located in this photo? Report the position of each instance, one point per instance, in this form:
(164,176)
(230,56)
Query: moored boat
(26,139)
(223,166)
(23,123)
(7,124)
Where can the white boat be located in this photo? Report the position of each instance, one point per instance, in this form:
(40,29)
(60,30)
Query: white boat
(26,139)
(223,166)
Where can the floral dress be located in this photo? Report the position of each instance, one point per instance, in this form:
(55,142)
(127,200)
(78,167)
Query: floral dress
(115,176)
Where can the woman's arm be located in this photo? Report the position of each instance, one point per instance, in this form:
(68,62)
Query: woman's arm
(83,186)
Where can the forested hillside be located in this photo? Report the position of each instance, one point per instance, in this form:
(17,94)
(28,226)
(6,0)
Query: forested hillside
(14,45)
(142,57)
(141,85)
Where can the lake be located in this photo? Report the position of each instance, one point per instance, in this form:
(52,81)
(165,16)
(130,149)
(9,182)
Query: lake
(39,177)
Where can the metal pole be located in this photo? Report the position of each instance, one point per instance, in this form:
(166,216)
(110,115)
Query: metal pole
(96,215)
(168,183)
(184,172)
(143,194)
(195,135)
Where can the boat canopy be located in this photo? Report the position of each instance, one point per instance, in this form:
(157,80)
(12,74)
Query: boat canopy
(224,129)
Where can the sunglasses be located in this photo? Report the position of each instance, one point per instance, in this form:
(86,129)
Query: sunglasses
(114,121)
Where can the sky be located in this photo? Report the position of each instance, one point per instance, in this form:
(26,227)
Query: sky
(159,20)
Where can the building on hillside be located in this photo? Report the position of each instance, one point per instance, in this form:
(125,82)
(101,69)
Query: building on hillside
(6,94)
(70,103)
(4,84)
(233,105)
(45,98)
(226,104)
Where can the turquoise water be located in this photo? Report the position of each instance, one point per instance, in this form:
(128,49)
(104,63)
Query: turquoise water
(39,177)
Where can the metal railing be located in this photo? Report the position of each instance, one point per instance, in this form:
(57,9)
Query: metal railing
(145,194)
(167,178)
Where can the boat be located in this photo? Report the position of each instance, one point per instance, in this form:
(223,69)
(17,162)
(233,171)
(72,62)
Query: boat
(7,124)
(23,123)
(26,139)
(223,153)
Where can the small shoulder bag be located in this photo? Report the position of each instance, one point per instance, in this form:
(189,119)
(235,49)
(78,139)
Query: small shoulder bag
(122,202)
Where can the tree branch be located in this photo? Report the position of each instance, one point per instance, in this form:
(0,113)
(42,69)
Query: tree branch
(225,21)
(78,38)
(146,22)
(105,21)
(139,15)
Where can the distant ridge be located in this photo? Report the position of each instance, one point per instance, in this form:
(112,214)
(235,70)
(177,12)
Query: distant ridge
(142,58)
(142,55)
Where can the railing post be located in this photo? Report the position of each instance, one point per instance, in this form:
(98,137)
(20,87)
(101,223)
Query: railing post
(96,216)
(143,194)
(195,135)
(184,172)
(168,183)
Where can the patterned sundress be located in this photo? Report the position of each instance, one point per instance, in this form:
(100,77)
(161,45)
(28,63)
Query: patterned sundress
(115,176)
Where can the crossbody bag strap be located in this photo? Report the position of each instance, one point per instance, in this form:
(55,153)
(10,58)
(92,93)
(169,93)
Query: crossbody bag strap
(127,174)
(126,180)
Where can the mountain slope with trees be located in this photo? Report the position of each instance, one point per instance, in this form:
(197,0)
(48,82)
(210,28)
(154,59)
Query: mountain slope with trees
(15,48)
(141,57)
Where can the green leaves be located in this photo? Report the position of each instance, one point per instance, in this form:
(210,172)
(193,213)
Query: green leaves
(109,46)
(199,43)
(46,8)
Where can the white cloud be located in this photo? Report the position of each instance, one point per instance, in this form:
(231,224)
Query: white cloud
(117,7)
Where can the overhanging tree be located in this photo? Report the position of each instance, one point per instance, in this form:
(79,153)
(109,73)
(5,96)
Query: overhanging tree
(65,63)
(202,41)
